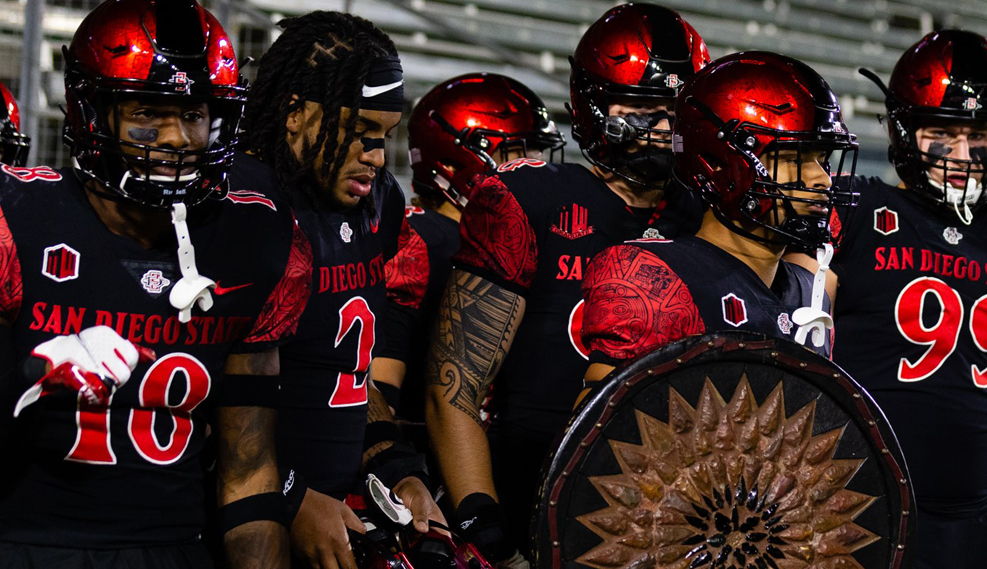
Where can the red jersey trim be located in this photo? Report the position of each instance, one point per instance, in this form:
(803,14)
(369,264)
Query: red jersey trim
(495,234)
(11,282)
(635,303)
(284,307)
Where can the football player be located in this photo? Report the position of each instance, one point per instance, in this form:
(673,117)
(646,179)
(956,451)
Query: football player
(911,304)
(512,307)
(142,335)
(760,159)
(14,146)
(329,92)
(462,127)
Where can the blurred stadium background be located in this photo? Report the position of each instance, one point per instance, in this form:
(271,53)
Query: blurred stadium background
(526,39)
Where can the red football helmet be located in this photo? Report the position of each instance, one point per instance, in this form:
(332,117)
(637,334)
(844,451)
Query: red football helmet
(639,50)
(942,77)
(174,50)
(740,108)
(456,129)
(15,146)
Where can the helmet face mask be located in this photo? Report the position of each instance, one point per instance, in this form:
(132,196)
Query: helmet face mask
(781,199)
(929,165)
(762,159)
(173,61)
(637,149)
(470,124)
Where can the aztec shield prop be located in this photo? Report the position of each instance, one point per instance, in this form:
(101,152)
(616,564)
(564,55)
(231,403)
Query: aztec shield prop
(731,450)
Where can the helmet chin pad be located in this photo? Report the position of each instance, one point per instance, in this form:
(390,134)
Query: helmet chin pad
(958,196)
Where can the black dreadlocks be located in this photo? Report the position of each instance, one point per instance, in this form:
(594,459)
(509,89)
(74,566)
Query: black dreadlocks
(320,45)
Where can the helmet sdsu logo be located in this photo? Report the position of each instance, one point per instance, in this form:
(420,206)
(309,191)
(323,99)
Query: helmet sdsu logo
(672,81)
(61,263)
(971,104)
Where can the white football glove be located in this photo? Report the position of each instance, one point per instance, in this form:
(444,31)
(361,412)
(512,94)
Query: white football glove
(94,363)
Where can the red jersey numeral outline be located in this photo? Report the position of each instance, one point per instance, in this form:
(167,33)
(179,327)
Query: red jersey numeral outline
(941,338)
(92,442)
(42,173)
(347,392)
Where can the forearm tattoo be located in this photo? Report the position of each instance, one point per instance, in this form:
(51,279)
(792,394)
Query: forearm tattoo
(476,324)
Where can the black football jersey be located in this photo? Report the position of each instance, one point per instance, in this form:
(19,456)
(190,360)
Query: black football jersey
(416,277)
(130,473)
(911,327)
(323,408)
(643,295)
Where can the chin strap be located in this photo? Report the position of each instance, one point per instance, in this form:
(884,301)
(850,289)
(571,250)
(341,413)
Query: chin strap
(956,196)
(813,318)
(967,216)
(192,288)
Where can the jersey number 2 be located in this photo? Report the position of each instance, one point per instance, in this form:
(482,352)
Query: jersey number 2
(92,440)
(942,337)
(348,393)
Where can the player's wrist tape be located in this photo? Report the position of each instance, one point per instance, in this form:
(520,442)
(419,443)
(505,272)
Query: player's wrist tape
(381,432)
(397,462)
(391,393)
(269,506)
(293,488)
(242,390)
(481,521)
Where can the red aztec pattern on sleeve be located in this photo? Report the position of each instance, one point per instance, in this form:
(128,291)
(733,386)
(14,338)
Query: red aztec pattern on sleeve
(285,305)
(835,227)
(407,273)
(11,283)
(495,234)
(635,303)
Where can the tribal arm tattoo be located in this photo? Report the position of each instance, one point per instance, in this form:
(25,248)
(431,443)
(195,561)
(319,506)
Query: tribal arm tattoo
(476,324)
(246,465)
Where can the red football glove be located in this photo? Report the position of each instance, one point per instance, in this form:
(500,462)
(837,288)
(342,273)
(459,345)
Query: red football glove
(92,363)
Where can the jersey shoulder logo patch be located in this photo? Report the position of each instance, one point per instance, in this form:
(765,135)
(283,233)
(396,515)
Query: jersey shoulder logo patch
(734,310)
(61,263)
(519,162)
(885,221)
(573,222)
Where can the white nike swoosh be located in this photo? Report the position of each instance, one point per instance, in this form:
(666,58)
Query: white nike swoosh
(371,92)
